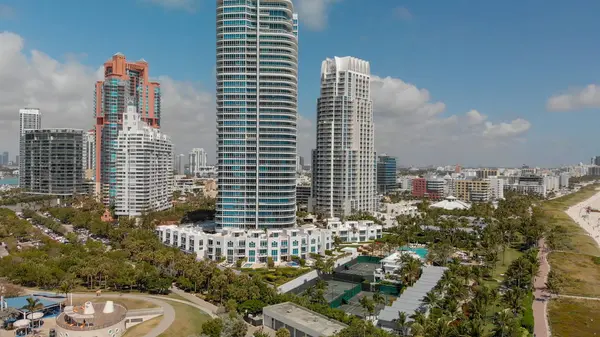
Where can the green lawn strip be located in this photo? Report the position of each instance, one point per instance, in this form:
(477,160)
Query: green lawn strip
(576,238)
(510,255)
(188,321)
(143,328)
(574,318)
(277,276)
(581,273)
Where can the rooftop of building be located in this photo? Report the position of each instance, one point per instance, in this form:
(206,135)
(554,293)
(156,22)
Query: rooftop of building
(91,316)
(195,229)
(451,203)
(305,318)
(49,130)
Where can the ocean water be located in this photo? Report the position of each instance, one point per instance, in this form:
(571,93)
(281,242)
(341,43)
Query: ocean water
(9,181)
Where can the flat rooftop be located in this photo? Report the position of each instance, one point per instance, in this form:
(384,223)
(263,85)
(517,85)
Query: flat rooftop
(305,318)
(21,301)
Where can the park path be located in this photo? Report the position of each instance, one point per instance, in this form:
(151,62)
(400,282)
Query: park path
(207,307)
(540,304)
(581,297)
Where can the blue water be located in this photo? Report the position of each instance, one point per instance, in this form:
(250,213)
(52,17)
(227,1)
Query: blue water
(422,252)
(9,181)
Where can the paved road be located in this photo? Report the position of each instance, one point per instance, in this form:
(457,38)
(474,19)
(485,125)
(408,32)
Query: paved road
(540,304)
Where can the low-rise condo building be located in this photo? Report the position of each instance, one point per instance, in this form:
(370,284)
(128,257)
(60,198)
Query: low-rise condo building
(354,231)
(257,245)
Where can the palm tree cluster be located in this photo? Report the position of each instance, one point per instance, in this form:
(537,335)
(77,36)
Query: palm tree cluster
(467,301)
(410,269)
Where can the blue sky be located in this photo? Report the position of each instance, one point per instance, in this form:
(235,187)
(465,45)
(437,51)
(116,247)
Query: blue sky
(503,58)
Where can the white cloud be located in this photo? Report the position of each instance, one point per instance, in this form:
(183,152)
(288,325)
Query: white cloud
(408,122)
(64,93)
(188,5)
(417,129)
(576,99)
(474,117)
(314,13)
(514,128)
(402,13)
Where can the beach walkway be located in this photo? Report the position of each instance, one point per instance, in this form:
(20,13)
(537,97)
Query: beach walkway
(541,294)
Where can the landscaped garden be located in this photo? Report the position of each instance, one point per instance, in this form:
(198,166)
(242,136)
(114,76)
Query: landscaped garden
(486,291)
(276,276)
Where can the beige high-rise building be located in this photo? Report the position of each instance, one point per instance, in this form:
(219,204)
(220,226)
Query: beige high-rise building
(486,173)
(472,190)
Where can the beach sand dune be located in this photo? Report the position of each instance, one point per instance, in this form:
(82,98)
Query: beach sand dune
(589,221)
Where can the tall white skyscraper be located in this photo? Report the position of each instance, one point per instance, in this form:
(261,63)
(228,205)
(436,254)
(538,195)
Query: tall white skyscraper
(29,119)
(197,159)
(257,88)
(144,167)
(344,162)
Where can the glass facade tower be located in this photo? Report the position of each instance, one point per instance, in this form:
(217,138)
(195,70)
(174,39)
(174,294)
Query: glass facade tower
(257,83)
(386,174)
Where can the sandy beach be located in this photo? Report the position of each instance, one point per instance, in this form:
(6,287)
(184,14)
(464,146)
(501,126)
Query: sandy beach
(590,222)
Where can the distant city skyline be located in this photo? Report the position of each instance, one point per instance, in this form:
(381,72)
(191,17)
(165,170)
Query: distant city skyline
(433,92)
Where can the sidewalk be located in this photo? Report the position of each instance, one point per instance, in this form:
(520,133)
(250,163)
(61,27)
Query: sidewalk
(540,303)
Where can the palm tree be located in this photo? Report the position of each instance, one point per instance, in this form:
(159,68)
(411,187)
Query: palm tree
(378,298)
(402,324)
(513,298)
(33,305)
(66,286)
(431,299)
(368,305)
(477,328)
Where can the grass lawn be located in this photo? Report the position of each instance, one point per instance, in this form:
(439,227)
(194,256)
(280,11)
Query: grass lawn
(580,271)
(508,257)
(277,276)
(572,317)
(188,321)
(142,329)
(130,304)
(577,240)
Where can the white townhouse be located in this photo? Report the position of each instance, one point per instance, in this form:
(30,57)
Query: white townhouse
(256,245)
(354,231)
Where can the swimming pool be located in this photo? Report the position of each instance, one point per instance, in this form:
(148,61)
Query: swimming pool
(421,251)
(247,265)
